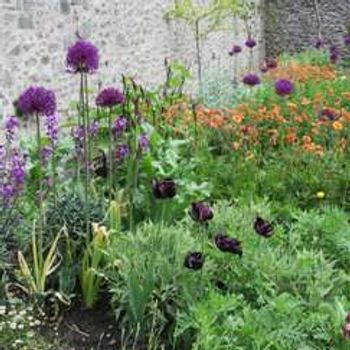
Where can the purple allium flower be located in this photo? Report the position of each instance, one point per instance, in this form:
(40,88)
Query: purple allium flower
(318,43)
(263,227)
(201,212)
(121,125)
(236,49)
(46,154)
(228,244)
(284,87)
(122,151)
(272,64)
(94,128)
(11,126)
(82,57)
(164,189)
(347,40)
(251,43)
(251,79)
(194,260)
(109,97)
(52,128)
(144,142)
(37,100)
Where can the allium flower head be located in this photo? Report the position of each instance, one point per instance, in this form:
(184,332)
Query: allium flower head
(236,49)
(109,97)
(251,79)
(164,189)
(228,244)
(201,212)
(284,87)
(194,260)
(82,57)
(334,54)
(263,227)
(37,100)
(251,43)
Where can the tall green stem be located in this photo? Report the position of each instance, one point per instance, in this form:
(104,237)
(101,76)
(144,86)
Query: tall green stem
(110,156)
(40,176)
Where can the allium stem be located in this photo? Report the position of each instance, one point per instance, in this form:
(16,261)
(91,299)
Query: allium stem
(110,157)
(86,159)
(40,175)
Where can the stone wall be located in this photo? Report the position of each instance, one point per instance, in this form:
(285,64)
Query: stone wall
(132,35)
(291,25)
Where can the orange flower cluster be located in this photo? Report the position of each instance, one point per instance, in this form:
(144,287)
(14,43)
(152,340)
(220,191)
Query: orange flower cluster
(300,72)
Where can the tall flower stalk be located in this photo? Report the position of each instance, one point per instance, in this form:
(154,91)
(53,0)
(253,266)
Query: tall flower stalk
(83,58)
(109,98)
(37,102)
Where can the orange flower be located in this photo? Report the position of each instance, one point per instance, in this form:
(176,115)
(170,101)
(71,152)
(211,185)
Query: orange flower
(298,119)
(346,95)
(305,101)
(337,126)
(291,137)
(238,118)
(307,139)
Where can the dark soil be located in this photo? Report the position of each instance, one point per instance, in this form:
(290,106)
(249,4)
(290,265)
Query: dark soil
(82,329)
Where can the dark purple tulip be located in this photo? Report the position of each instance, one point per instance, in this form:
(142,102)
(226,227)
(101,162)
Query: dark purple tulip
(251,43)
(164,189)
(236,49)
(284,87)
(263,227)
(251,79)
(228,244)
(194,260)
(201,212)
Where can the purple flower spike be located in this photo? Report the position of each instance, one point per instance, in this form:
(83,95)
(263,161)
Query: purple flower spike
(251,43)
(94,129)
(11,125)
(52,129)
(251,79)
(82,57)
(284,87)
(109,97)
(236,49)
(121,125)
(122,152)
(144,142)
(46,154)
(37,100)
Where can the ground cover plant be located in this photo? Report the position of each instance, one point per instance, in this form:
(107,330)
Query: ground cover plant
(149,219)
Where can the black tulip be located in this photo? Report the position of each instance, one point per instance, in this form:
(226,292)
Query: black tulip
(263,227)
(164,189)
(201,212)
(194,260)
(228,244)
